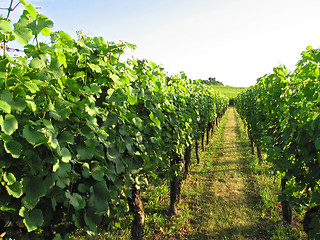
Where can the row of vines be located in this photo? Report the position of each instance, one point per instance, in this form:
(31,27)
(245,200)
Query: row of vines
(83,133)
(283,118)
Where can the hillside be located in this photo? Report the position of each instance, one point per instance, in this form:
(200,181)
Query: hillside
(230,92)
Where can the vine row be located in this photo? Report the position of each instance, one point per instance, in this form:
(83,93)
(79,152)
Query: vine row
(282,115)
(83,133)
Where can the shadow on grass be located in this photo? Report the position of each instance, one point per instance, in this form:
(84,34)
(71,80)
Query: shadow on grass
(223,163)
(255,231)
(232,146)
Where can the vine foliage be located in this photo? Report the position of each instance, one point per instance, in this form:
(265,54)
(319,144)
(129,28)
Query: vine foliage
(282,115)
(80,129)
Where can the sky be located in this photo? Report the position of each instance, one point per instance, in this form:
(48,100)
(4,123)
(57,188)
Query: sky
(235,41)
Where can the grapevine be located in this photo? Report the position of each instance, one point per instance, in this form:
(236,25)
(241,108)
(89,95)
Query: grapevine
(83,133)
(282,115)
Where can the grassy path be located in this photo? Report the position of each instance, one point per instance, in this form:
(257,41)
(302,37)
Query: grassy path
(225,208)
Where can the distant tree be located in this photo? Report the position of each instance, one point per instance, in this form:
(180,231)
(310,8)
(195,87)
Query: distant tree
(212,81)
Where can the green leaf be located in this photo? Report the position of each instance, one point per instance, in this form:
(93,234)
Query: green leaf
(49,126)
(129,144)
(66,39)
(62,58)
(139,137)
(131,46)
(15,189)
(44,23)
(5,26)
(76,200)
(31,103)
(29,8)
(82,188)
(39,61)
(100,197)
(154,119)
(94,67)
(87,133)
(67,137)
(85,170)
(113,154)
(135,167)
(32,86)
(21,30)
(34,189)
(84,153)
(3,68)
(317,143)
(33,136)
(65,155)
(18,104)
(112,120)
(309,48)
(32,219)
(119,167)
(5,200)
(46,31)
(9,178)
(54,143)
(124,130)
(62,169)
(56,69)
(58,237)
(90,218)
(132,100)
(97,172)
(115,79)
(13,147)
(9,124)
(61,110)
(92,110)
(4,106)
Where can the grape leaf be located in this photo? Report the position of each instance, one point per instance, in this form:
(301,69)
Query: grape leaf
(9,124)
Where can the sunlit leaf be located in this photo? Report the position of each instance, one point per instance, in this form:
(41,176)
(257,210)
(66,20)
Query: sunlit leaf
(29,8)
(5,26)
(65,155)
(9,178)
(32,219)
(13,147)
(21,30)
(4,106)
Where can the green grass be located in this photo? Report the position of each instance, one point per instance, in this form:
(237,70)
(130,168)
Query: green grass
(226,210)
(230,92)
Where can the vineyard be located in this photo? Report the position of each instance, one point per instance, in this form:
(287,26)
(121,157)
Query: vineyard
(83,133)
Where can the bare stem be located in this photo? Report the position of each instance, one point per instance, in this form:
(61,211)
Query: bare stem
(38,44)
(10,9)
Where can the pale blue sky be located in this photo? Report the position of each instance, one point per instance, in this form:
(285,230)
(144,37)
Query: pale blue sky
(235,41)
